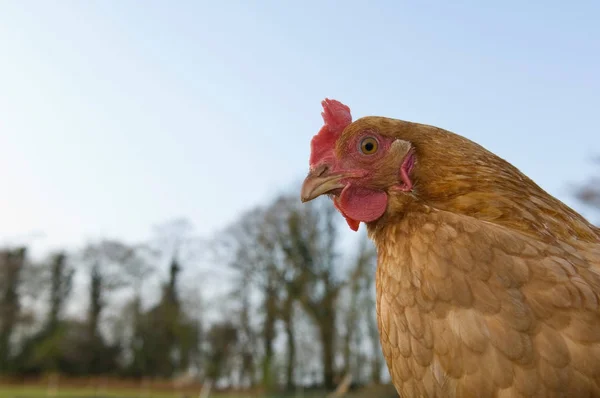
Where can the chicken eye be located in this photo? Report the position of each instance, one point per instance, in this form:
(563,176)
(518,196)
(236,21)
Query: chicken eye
(369,146)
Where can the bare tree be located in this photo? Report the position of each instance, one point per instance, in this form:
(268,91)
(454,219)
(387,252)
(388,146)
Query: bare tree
(589,193)
(251,260)
(104,261)
(358,307)
(12,262)
(247,338)
(174,240)
(221,341)
(289,253)
(307,236)
(61,282)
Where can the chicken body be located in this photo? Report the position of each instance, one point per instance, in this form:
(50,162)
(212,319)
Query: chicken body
(467,308)
(487,286)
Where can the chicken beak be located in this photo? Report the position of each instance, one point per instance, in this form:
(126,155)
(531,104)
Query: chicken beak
(319,182)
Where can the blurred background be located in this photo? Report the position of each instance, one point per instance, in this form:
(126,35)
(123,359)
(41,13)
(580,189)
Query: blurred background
(152,241)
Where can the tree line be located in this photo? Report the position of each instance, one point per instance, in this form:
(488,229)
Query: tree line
(40,338)
(298,308)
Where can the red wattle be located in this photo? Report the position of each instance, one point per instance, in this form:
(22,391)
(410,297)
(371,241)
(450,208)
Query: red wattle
(361,204)
(353,224)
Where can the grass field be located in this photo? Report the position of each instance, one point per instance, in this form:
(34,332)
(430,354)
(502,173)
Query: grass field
(68,391)
(121,389)
(37,392)
(79,392)
(82,392)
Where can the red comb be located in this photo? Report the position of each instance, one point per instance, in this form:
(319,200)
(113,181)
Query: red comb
(336,117)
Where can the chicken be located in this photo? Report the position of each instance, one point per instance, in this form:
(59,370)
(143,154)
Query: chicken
(487,286)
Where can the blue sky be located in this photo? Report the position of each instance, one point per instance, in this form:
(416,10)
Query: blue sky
(117,115)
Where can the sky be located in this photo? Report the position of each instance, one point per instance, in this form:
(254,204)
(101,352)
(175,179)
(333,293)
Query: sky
(118,115)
